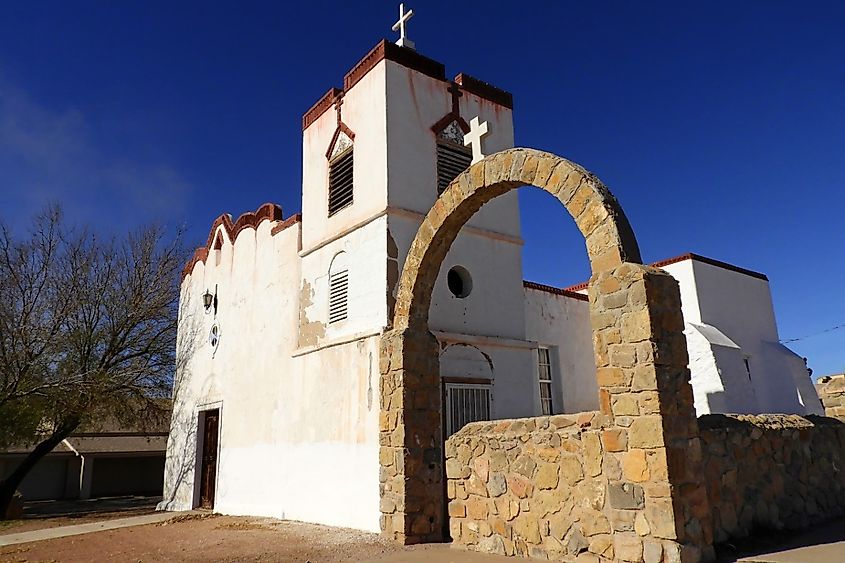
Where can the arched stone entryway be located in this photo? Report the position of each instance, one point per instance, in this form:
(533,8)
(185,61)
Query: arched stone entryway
(639,345)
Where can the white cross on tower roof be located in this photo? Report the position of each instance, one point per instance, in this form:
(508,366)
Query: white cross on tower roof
(400,27)
(476,131)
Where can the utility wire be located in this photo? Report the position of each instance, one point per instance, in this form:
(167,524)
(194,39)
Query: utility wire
(825,331)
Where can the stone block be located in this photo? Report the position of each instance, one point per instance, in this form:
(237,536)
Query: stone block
(518,485)
(527,527)
(477,508)
(625,496)
(615,440)
(602,546)
(628,547)
(497,485)
(524,465)
(646,432)
(547,476)
(635,466)
(570,470)
(482,468)
(592,453)
(594,522)
(457,509)
(652,552)
(576,543)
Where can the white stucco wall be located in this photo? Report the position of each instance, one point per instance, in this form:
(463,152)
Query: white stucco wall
(365,251)
(278,449)
(414,104)
(364,111)
(739,306)
(563,325)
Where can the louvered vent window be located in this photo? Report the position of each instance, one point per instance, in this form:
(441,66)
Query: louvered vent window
(338,296)
(340,182)
(452,159)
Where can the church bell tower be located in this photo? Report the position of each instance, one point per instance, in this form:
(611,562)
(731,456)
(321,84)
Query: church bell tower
(379,151)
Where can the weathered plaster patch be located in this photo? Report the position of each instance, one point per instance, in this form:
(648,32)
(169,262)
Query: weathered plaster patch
(310,332)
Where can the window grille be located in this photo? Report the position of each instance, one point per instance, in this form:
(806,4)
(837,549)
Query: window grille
(466,403)
(338,296)
(340,181)
(452,159)
(544,377)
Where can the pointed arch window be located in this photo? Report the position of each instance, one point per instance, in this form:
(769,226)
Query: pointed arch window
(338,289)
(341,160)
(452,156)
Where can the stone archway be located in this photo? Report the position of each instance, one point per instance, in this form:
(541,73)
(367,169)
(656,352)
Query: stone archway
(640,350)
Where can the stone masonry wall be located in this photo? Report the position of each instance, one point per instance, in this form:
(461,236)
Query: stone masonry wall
(536,487)
(772,472)
(831,390)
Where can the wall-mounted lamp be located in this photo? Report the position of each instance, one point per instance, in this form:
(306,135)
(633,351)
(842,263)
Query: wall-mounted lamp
(209,300)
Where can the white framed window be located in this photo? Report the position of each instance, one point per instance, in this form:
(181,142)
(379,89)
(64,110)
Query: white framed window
(465,403)
(544,379)
(338,289)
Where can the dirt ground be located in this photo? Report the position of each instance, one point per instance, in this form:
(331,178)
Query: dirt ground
(211,538)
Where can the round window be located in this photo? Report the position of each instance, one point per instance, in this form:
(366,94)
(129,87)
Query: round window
(459,281)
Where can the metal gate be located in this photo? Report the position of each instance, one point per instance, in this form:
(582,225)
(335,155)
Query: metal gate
(466,403)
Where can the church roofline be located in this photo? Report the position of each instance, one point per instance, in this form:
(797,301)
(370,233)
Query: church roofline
(555,290)
(712,262)
(250,219)
(691,256)
(387,50)
(484,90)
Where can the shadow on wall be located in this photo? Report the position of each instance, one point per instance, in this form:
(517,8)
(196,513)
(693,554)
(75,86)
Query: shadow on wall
(772,472)
(717,401)
(180,464)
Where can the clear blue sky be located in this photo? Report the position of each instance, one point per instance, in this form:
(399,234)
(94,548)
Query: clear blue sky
(719,126)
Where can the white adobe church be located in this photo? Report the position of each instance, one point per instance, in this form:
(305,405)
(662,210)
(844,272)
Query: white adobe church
(276,398)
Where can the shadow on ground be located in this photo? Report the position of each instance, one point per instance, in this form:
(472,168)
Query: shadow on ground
(80,508)
(824,543)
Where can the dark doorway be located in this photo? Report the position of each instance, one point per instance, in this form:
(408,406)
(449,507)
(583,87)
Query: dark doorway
(208,472)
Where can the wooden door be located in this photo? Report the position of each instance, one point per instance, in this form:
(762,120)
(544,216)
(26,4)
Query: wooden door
(208,475)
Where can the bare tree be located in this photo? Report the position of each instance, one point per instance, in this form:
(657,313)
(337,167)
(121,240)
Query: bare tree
(87,332)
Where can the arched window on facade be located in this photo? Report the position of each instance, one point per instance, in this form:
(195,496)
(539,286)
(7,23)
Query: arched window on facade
(338,289)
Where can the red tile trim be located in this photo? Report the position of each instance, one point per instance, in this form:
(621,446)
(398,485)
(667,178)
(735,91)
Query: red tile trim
(485,90)
(449,118)
(251,220)
(341,126)
(577,287)
(292,220)
(320,107)
(555,290)
(393,52)
(387,50)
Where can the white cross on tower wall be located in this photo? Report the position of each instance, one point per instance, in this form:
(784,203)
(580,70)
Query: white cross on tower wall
(400,27)
(476,131)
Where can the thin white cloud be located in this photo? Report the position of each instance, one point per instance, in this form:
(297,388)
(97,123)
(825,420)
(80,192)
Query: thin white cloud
(49,155)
